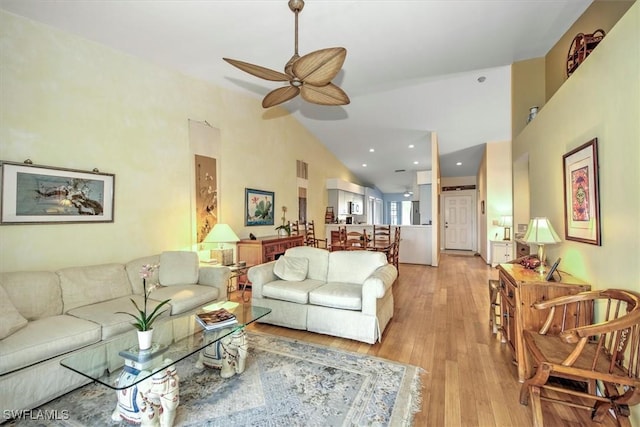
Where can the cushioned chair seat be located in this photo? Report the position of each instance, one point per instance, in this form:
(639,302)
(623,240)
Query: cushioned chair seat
(105,314)
(346,296)
(185,297)
(46,338)
(297,292)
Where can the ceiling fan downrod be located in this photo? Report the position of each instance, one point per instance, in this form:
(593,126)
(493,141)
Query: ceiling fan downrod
(296,7)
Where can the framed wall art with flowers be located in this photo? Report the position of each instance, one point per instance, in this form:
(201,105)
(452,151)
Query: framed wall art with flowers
(258,207)
(581,200)
(33,194)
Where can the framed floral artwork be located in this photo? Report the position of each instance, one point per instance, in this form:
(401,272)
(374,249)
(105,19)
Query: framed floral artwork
(34,194)
(581,200)
(258,207)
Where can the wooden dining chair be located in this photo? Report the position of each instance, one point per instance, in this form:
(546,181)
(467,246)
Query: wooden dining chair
(338,239)
(601,356)
(294,227)
(356,241)
(310,236)
(394,252)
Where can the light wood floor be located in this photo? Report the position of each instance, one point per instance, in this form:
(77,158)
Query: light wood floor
(441,324)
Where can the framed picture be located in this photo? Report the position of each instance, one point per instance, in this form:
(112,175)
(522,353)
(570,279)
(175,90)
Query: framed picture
(34,194)
(581,203)
(258,207)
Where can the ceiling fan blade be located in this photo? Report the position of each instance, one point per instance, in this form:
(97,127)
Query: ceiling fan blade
(258,71)
(280,95)
(321,66)
(329,94)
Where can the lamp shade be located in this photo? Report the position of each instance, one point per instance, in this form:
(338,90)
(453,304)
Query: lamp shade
(221,233)
(541,232)
(505,221)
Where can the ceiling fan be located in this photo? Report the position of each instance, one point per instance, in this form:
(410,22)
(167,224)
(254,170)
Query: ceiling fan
(309,75)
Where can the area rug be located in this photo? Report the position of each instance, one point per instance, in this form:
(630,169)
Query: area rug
(286,383)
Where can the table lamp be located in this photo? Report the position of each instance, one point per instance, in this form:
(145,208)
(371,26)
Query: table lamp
(541,233)
(506,221)
(222,234)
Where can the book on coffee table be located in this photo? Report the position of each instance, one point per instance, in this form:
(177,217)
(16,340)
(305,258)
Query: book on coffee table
(219,318)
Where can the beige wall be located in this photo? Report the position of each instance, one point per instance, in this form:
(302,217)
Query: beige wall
(602,100)
(68,102)
(527,90)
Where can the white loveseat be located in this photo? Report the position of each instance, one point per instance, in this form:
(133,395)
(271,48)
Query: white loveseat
(47,315)
(344,293)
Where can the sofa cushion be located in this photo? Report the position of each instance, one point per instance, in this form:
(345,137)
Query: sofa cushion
(353,266)
(10,319)
(291,268)
(345,296)
(83,286)
(113,323)
(285,290)
(178,268)
(318,260)
(133,272)
(35,294)
(46,338)
(185,298)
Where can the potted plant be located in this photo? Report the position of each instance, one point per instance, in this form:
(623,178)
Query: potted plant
(285,227)
(144,320)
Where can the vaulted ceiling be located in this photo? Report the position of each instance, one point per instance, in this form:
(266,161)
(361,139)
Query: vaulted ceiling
(413,66)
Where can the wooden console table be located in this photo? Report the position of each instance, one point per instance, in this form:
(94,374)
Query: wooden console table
(265,249)
(520,288)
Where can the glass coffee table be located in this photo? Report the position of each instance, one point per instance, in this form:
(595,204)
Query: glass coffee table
(146,382)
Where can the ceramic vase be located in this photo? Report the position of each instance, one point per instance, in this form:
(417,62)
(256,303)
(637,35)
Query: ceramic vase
(144,339)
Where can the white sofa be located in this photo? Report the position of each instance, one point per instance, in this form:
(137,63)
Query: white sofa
(344,293)
(47,315)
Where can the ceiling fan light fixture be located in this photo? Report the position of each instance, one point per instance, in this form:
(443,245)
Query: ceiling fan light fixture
(309,75)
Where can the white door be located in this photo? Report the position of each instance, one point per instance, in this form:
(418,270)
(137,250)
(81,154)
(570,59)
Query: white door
(458,225)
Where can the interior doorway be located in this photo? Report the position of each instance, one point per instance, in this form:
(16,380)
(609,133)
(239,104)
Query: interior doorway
(459,229)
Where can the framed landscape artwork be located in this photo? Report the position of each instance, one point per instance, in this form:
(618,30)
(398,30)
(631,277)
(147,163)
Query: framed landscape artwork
(581,202)
(258,207)
(34,194)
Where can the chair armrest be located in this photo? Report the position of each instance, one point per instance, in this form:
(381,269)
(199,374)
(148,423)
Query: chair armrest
(259,275)
(376,286)
(217,277)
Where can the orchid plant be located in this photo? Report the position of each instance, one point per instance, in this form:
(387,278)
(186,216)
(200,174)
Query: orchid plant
(285,225)
(143,320)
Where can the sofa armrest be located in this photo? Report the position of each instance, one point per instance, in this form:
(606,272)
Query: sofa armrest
(376,286)
(259,275)
(217,277)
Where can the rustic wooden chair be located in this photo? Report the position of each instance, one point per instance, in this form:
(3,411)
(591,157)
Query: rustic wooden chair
(603,357)
(310,238)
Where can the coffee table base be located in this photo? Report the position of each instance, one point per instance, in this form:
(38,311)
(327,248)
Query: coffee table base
(228,354)
(152,402)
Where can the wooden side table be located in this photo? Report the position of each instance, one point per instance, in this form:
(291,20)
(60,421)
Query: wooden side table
(520,288)
(238,272)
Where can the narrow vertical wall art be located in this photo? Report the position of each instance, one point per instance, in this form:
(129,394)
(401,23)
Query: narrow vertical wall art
(206,196)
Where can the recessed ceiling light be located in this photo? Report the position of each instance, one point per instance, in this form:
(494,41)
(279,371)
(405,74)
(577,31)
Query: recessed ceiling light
(371,150)
(411,145)
(481,79)
(415,163)
(364,165)
(459,164)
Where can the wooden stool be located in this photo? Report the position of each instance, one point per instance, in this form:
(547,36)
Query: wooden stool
(494,302)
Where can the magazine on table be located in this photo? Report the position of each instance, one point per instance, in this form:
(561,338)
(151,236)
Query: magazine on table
(219,318)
